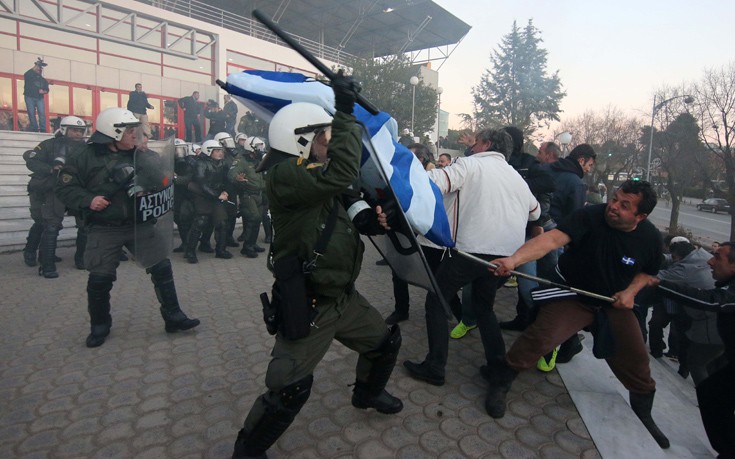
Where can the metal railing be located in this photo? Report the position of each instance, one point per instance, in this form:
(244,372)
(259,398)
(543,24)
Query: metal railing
(201,11)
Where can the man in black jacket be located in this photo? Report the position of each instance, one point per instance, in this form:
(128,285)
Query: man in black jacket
(192,120)
(138,104)
(715,395)
(230,109)
(34,91)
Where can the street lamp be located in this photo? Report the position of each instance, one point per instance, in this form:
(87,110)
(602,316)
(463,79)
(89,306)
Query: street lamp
(565,138)
(414,81)
(439,92)
(656,107)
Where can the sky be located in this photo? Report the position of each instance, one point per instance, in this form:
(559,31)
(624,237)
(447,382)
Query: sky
(607,52)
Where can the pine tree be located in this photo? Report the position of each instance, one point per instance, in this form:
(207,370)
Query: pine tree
(517,90)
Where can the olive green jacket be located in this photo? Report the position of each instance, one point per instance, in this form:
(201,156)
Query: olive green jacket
(254,182)
(301,196)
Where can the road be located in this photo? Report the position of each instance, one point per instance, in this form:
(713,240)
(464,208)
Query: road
(705,226)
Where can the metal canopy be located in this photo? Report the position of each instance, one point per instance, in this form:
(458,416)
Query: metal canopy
(365,28)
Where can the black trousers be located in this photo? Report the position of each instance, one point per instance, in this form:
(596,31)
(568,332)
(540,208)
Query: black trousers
(716,397)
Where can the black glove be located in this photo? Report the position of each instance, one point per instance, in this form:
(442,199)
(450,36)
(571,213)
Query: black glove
(345,92)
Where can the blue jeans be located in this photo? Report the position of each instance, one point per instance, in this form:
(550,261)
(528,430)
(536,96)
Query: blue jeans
(33,105)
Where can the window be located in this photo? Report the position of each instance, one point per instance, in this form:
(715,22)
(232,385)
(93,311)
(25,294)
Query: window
(82,102)
(58,99)
(108,100)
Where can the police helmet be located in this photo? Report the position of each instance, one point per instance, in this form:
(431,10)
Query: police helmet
(293,128)
(225,139)
(182,148)
(240,136)
(71,122)
(111,124)
(209,146)
(256,144)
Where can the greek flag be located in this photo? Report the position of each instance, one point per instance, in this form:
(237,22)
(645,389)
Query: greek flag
(383,158)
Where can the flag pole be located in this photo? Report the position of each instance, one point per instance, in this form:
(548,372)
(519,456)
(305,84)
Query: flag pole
(540,280)
(313,60)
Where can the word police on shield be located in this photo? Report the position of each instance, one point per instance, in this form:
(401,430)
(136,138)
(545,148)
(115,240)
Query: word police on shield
(154,205)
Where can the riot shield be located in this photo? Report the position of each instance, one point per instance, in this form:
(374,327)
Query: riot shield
(154,201)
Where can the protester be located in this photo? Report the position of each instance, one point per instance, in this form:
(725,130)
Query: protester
(192,120)
(715,394)
(484,180)
(612,251)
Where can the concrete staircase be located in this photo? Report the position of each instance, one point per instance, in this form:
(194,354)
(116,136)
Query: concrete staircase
(15,218)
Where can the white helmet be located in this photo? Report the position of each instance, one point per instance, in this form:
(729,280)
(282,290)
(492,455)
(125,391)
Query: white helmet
(240,136)
(293,128)
(256,144)
(209,146)
(111,124)
(195,147)
(182,148)
(225,139)
(72,122)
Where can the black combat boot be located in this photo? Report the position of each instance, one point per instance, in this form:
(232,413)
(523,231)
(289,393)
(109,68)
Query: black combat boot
(98,305)
(48,253)
(163,281)
(190,252)
(220,249)
(32,242)
(275,411)
(499,377)
(205,245)
(81,244)
(642,404)
(267,228)
(183,234)
(371,393)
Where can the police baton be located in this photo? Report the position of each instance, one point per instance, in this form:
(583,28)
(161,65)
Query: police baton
(540,280)
(313,60)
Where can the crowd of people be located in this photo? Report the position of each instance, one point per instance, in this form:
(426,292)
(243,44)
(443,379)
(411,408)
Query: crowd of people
(523,214)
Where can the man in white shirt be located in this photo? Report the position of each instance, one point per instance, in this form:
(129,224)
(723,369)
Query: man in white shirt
(493,205)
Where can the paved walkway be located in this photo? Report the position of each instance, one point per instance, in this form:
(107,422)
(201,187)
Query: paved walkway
(147,394)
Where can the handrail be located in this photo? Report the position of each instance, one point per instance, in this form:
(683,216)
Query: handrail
(232,21)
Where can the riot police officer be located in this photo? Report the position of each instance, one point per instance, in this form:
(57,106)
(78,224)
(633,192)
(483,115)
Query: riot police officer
(102,180)
(231,154)
(47,211)
(183,205)
(304,197)
(210,198)
(249,186)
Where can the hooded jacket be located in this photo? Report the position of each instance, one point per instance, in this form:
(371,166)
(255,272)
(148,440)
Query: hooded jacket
(570,192)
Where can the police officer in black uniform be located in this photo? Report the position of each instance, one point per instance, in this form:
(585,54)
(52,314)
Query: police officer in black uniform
(210,199)
(47,211)
(101,180)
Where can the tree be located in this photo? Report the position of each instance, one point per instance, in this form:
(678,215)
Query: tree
(714,108)
(385,83)
(518,90)
(614,136)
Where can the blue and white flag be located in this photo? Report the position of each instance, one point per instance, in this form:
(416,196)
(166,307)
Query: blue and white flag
(383,158)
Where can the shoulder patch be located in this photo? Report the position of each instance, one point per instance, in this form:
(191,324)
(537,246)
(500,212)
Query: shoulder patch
(65,179)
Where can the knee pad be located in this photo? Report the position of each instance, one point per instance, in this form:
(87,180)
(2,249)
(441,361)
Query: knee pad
(201,222)
(294,396)
(160,268)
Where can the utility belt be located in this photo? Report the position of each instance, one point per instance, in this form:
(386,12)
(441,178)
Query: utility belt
(293,308)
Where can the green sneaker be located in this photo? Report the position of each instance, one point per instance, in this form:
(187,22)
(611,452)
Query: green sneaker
(461,329)
(547,362)
(512,282)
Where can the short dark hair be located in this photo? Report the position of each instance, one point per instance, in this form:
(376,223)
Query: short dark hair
(500,141)
(731,255)
(517,136)
(643,188)
(422,152)
(583,150)
(552,148)
(681,249)
(447,155)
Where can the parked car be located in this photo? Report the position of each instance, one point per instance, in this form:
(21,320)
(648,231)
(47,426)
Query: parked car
(714,205)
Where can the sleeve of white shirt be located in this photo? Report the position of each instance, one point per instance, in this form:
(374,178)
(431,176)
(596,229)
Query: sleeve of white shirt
(534,210)
(450,178)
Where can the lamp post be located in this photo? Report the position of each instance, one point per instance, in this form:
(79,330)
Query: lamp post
(414,81)
(565,138)
(656,107)
(439,92)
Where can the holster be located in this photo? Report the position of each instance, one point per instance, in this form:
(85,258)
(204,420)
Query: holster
(294,309)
